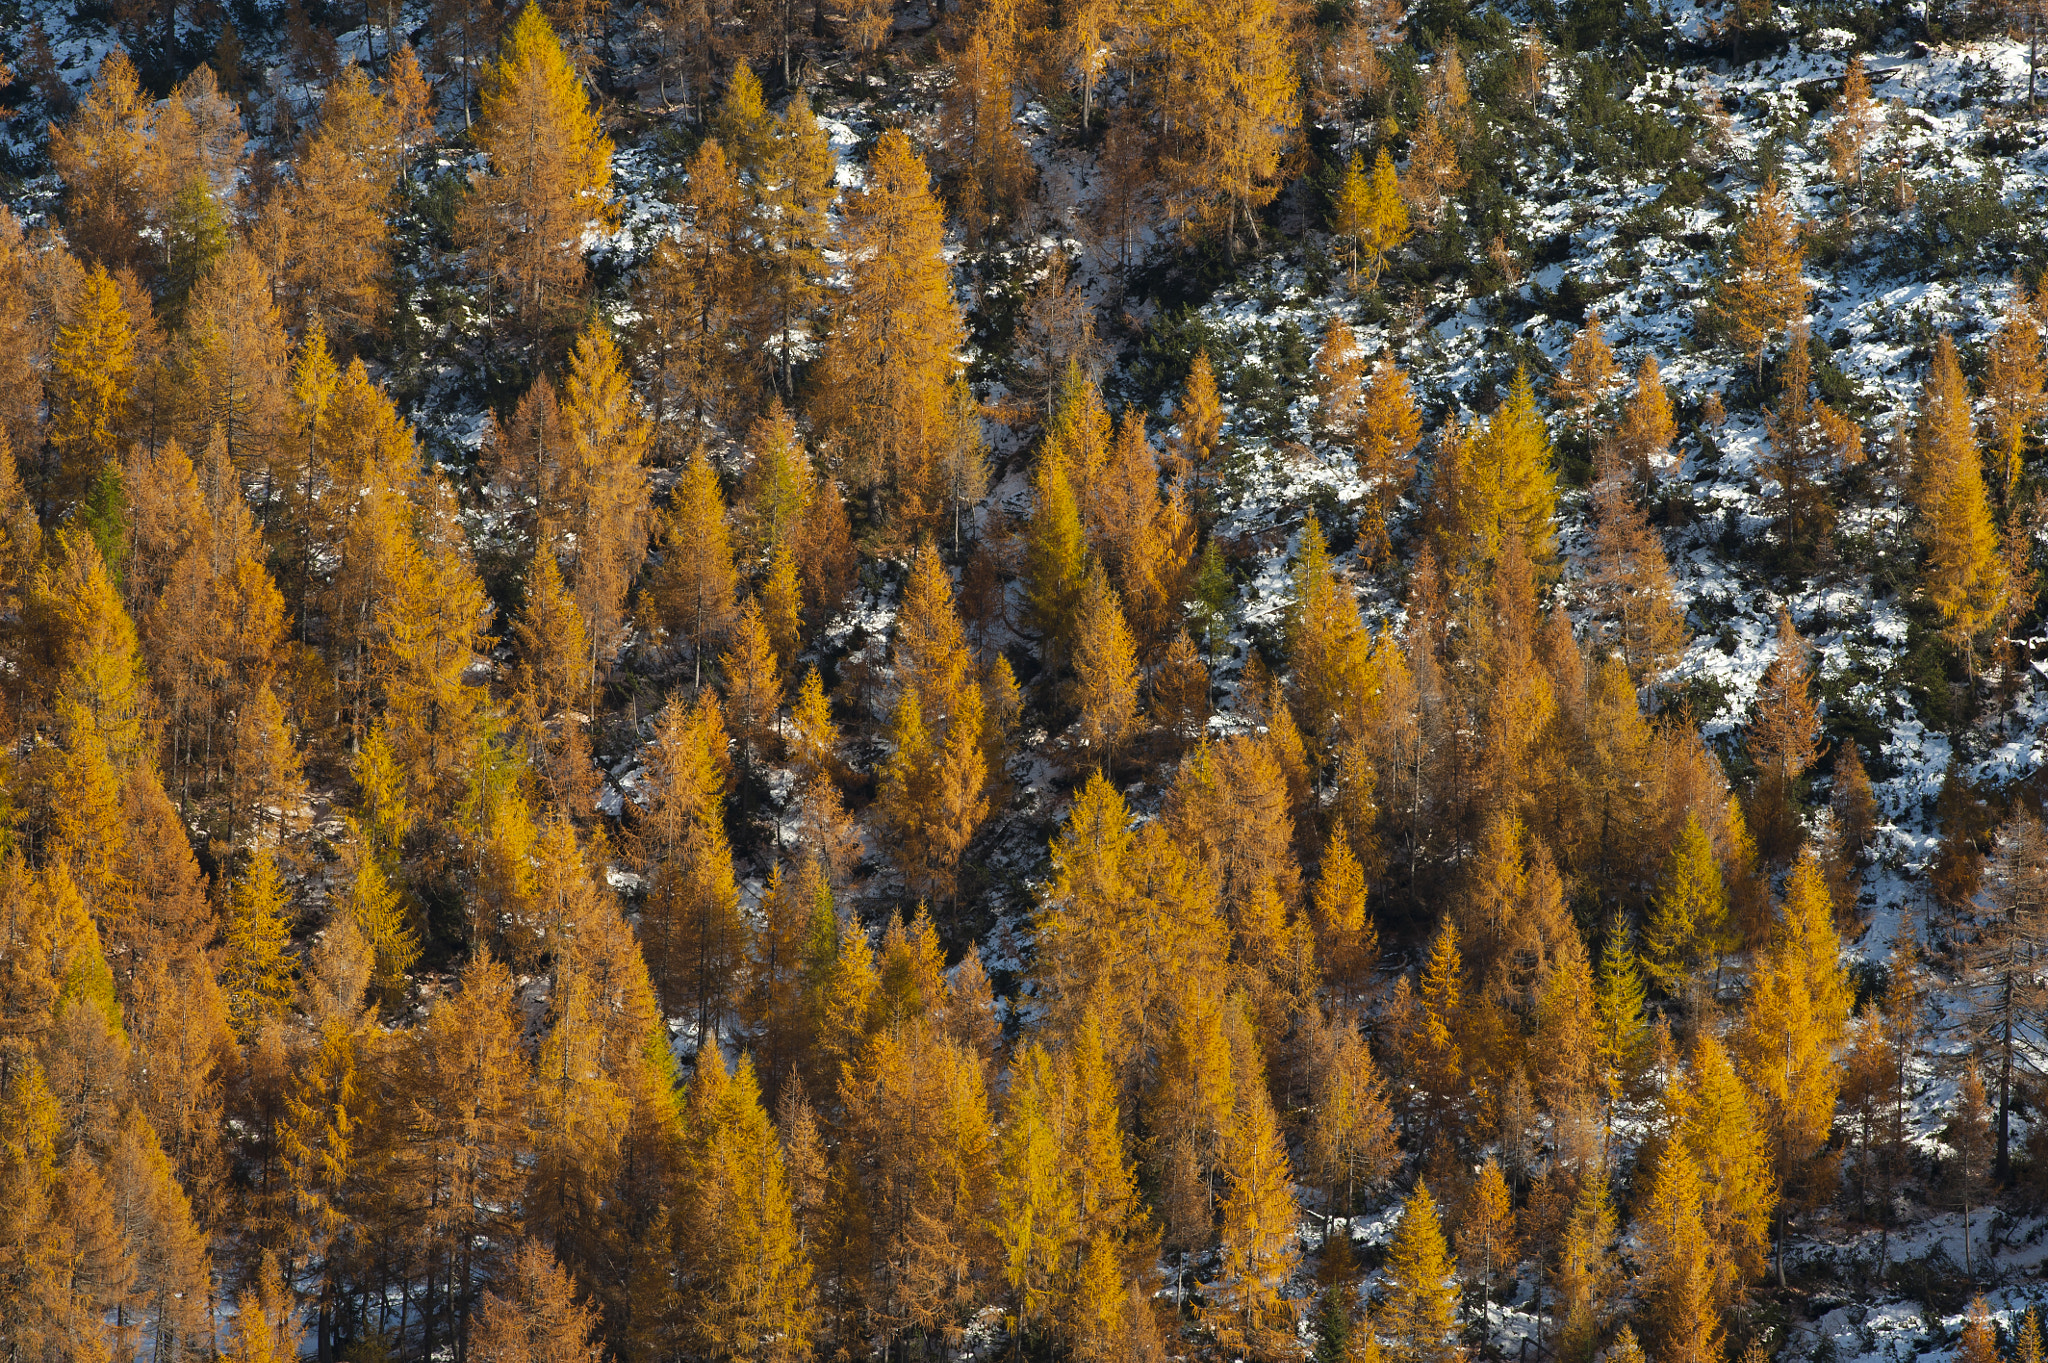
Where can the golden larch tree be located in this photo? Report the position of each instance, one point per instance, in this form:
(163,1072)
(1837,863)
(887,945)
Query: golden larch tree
(2013,387)
(1795,1021)
(1783,740)
(91,370)
(1383,444)
(602,518)
(1420,1311)
(1965,576)
(1762,289)
(759,1283)
(1809,442)
(1230,105)
(887,375)
(340,262)
(1487,1238)
(696,591)
(549,174)
(101,154)
(1628,582)
(1106,674)
(1371,214)
(1678,1260)
(1648,425)
(533,1316)
(1588,374)
(1688,930)
(1259,1214)
(256,970)
(1511,488)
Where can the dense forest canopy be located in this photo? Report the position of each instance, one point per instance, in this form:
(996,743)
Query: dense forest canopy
(1099,680)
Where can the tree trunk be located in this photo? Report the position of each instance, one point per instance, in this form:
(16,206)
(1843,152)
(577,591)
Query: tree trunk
(2003,1167)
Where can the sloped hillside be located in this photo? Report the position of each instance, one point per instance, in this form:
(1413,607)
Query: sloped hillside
(1090,680)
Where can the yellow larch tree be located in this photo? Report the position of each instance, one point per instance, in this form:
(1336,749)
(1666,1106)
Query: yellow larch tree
(813,737)
(698,328)
(1080,437)
(102,155)
(1340,382)
(1965,576)
(1125,925)
(268,780)
(1372,214)
(933,788)
(888,371)
(692,930)
(267,1324)
(340,258)
(1618,1006)
(758,1301)
(1715,1119)
(1149,548)
(256,970)
(1347,942)
(601,524)
(1350,1127)
(1511,488)
(1783,740)
(795,204)
(2013,388)
(549,174)
(1435,1062)
(1433,173)
(1036,1216)
(381,918)
(1677,1261)
(743,123)
(753,684)
(468,1100)
(930,645)
(1588,374)
(1762,289)
(1230,103)
(98,706)
(550,637)
(1259,1215)
(91,369)
(1628,582)
(1809,442)
(1327,647)
(1979,1343)
(1795,1021)
(993,171)
(532,1316)
(1056,559)
(696,591)
(1198,444)
(1854,121)
(1688,930)
(1486,1238)
(429,629)
(782,606)
(230,367)
(1420,1311)
(1648,425)
(1388,430)
(1106,674)
(1586,1274)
